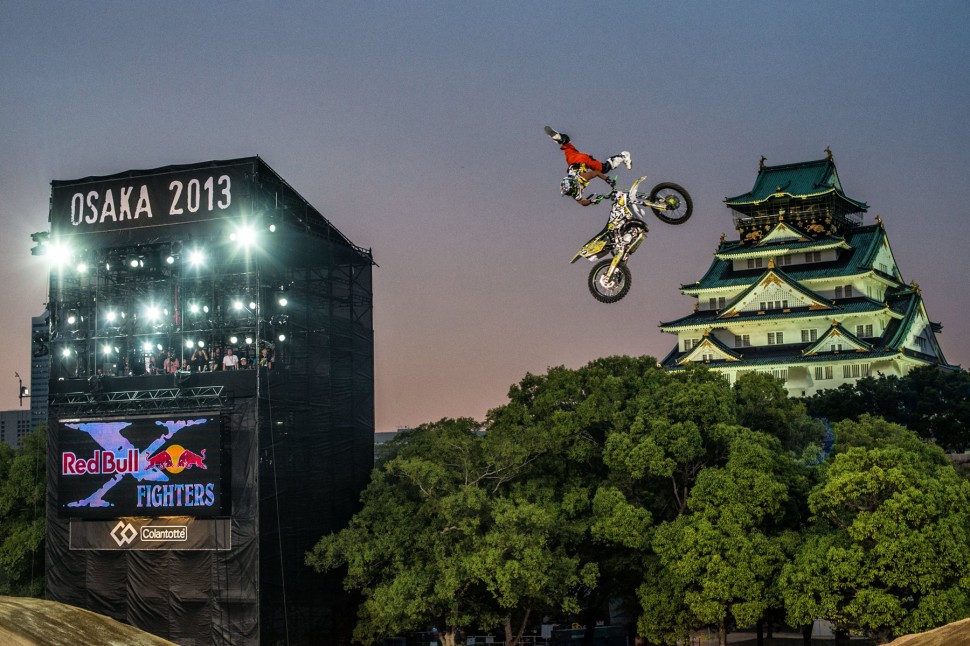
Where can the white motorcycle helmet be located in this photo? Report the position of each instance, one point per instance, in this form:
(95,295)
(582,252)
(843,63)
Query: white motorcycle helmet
(570,187)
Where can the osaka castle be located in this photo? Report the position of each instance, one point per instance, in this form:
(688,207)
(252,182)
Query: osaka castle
(807,292)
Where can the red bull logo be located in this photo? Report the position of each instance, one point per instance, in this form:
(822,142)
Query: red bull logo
(176,458)
(100,462)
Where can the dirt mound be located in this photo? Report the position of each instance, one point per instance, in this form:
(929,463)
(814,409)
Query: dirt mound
(35,622)
(955,634)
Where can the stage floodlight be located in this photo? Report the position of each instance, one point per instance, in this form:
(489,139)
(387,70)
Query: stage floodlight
(58,252)
(82,268)
(205,308)
(252,305)
(196,257)
(249,340)
(189,344)
(152,313)
(245,236)
(194,308)
(201,344)
(146,347)
(106,349)
(282,337)
(159,346)
(234,340)
(71,318)
(237,305)
(282,300)
(272,228)
(170,259)
(66,352)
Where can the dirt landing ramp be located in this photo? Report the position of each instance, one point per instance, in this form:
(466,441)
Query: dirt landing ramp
(955,634)
(35,622)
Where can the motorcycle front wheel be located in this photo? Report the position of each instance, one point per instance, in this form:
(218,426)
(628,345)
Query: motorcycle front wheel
(679,206)
(609,290)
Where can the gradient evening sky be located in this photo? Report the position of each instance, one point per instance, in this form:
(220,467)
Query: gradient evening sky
(416,128)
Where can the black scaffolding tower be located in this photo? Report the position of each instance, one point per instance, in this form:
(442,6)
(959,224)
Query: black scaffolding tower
(157,275)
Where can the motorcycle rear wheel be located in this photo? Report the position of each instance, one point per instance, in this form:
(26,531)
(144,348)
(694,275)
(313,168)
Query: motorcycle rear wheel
(613,290)
(679,205)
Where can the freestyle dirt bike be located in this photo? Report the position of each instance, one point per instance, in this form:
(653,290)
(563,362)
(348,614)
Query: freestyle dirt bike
(610,278)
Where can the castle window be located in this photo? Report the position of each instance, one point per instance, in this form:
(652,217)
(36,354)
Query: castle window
(838,291)
(755,263)
(856,371)
(823,372)
(742,340)
(776,338)
(784,260)
(809,335)
(863,330)
(691,343)
(813,256)
(848,291)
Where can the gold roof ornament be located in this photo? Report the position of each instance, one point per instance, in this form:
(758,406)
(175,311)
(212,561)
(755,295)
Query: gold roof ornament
(761,164)
(771,263)
(723,237)
(879,222)
(828,154)
(915,287)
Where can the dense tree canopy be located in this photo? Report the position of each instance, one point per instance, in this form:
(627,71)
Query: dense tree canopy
(933,403)
(888,550)
(688,500)
(22,491)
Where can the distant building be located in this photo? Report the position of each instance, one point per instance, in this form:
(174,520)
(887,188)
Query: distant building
(40,369)
(807,292)
(14,424)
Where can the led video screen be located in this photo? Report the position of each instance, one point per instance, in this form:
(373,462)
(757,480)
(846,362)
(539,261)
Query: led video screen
(143,466)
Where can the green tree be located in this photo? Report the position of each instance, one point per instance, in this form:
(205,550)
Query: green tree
(22,491)
(452,534)
(933,403)
(724,555)
(764,405)
(888,549)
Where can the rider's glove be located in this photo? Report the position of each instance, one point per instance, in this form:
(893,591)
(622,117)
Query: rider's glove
(611,181)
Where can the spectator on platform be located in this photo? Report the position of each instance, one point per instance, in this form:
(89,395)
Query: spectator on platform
(199,361)
(230,361)
(215,361)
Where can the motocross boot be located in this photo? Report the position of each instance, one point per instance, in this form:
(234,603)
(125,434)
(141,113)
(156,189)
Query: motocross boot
(560,138)
(616,160)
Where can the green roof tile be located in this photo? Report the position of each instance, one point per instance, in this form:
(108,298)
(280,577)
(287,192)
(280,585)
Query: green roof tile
(804,179)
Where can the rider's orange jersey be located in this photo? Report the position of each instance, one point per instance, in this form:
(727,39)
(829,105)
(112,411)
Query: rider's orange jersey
(574,158)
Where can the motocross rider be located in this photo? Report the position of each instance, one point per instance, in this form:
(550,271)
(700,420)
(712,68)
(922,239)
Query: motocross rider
(583,167)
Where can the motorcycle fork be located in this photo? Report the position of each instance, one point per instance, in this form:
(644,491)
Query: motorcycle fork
(617,260)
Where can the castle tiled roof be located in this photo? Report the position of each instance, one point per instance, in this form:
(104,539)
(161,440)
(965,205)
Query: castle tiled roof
(801,180)
(703,319)
(863,243)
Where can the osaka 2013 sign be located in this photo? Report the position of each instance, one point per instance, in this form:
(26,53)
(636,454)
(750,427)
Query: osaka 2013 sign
(149,205)
(142,467)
